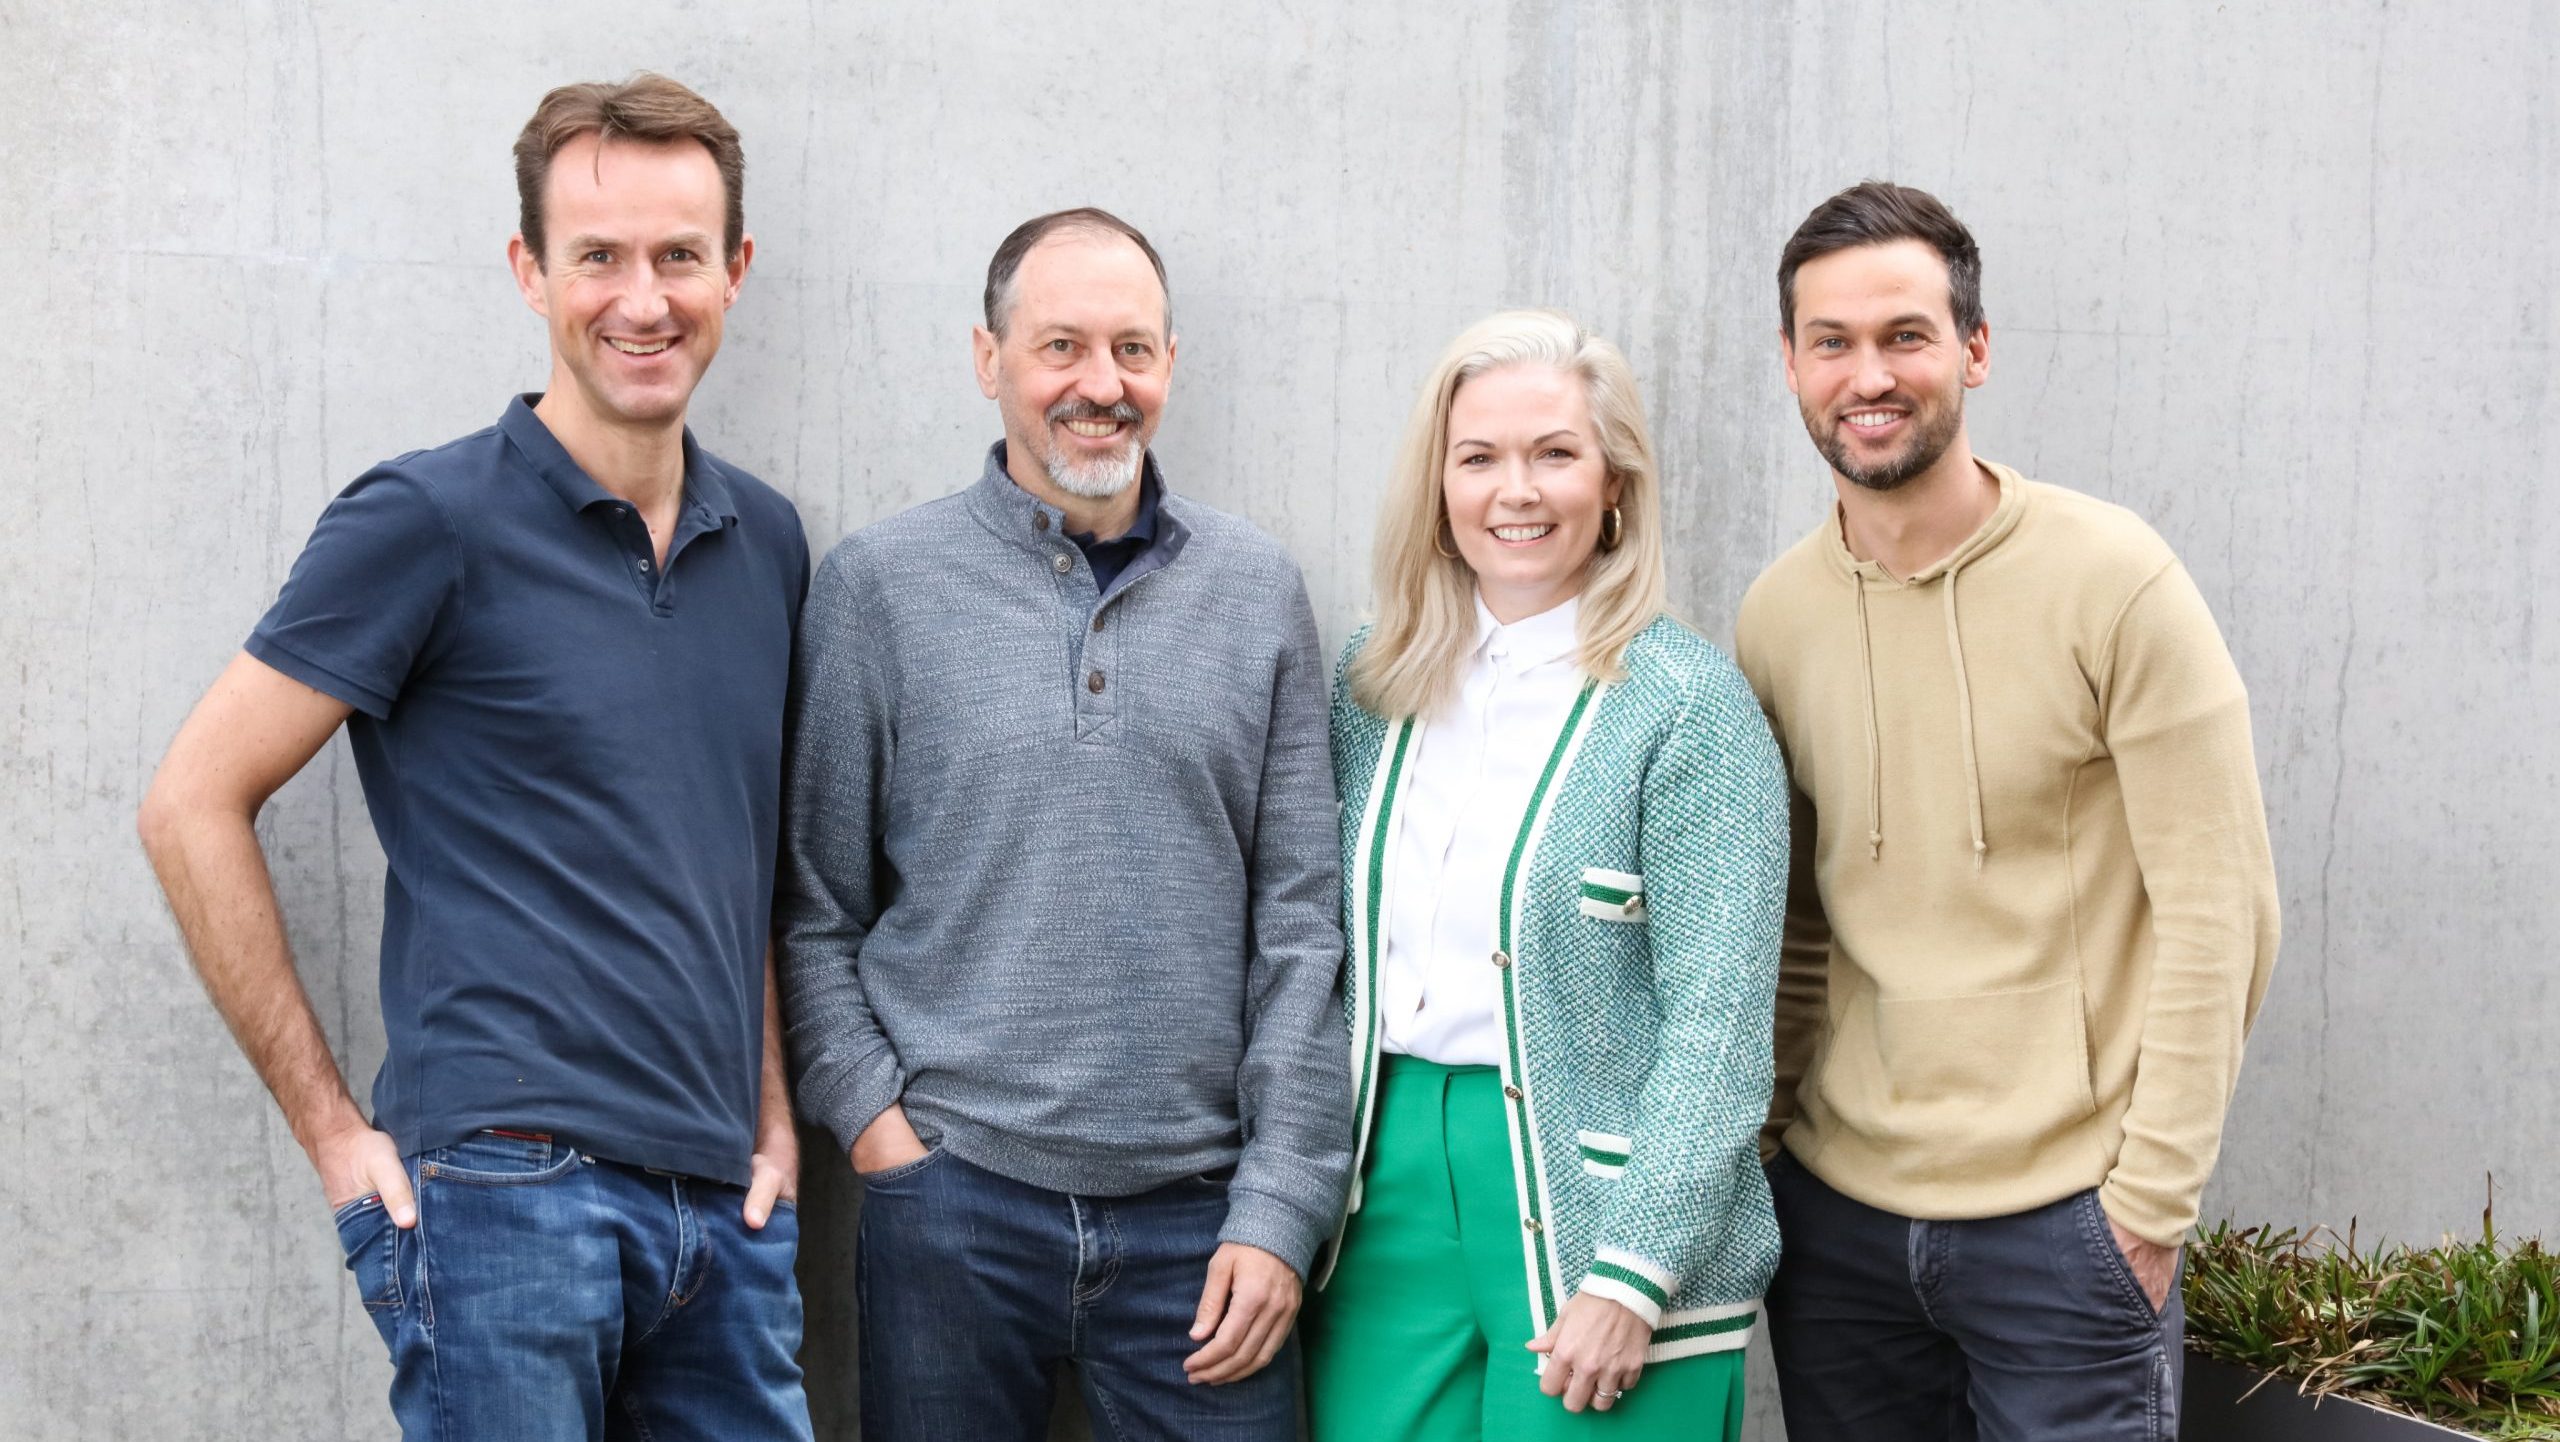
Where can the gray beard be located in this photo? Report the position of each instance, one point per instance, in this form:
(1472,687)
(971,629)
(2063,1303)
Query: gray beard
(1098,480)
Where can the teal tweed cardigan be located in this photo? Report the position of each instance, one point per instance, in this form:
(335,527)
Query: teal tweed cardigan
(1639,951)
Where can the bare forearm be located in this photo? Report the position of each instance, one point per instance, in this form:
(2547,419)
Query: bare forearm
(217,883)
(775,1136)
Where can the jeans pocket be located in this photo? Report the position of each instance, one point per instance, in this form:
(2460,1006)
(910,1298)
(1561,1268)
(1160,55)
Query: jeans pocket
(891,1176)
(372,1247)
(2113,1268)
(487,1159)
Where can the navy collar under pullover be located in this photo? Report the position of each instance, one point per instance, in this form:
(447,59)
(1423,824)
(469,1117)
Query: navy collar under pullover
(1109,558)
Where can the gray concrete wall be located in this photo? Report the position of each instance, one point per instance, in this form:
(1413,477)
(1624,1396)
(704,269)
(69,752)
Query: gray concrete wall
(2280,276)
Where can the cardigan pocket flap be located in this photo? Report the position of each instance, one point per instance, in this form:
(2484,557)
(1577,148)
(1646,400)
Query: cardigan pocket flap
(1612,895)
(1604,1154)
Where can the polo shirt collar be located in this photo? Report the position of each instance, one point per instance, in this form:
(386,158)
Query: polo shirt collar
(706,491)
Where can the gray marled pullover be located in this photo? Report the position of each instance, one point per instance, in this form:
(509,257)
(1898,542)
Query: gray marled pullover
(1059,870)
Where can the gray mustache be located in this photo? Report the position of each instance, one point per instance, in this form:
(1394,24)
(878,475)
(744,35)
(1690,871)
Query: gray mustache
(1076,409)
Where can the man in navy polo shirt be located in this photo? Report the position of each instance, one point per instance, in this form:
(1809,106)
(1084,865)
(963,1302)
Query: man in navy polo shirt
(561,649)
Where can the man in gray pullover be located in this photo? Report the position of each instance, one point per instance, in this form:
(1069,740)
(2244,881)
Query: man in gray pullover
(1059,935)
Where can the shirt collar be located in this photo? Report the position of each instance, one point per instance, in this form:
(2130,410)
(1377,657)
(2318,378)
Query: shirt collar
(705,489)
(1142,531)
(1551,635)
(1012,512)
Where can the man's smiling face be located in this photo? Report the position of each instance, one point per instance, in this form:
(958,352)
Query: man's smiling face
(635,286)
(1082,367)
(1876,363)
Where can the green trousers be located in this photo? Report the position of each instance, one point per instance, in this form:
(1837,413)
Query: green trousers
(1422,1334)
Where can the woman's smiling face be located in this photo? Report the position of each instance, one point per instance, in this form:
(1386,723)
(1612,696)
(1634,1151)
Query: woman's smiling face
(1525,483)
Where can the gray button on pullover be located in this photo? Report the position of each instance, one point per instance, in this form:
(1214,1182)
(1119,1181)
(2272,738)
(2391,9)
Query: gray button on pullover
(1060,869)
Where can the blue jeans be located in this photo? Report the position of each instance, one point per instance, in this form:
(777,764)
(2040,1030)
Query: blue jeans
(547,1296)
(2024,1328)
(974,1289)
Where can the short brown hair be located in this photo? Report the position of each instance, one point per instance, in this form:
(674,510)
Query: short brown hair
(1085,218)
(1875,212)
(645,107)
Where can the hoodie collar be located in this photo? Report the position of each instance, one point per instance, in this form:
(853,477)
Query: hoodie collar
(1994,529)
(2003,519)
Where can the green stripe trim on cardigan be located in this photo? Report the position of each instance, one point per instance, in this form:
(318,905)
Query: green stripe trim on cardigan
(1537,798)
(1635,1279)
(1609,894)
(1378,844)
(1544,1300)
(1603,1156)
(1716,1328)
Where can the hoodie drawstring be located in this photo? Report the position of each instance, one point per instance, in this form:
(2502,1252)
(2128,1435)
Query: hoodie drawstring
(1964,715)
(1875,753)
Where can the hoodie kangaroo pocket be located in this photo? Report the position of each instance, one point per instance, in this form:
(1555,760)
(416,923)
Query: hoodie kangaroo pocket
(1982,1078)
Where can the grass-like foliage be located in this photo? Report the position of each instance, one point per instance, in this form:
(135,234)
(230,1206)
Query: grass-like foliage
(2465,1334)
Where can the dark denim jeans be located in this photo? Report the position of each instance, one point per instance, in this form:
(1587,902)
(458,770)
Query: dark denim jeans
(974,1288)
(545,1297)
(2025,1328)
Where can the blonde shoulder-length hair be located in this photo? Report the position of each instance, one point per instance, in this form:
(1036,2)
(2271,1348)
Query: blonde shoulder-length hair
(1426,622)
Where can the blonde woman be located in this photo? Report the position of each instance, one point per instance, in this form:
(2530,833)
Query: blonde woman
(1564,828)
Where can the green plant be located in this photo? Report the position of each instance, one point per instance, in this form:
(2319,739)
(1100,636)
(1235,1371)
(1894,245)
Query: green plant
(2465,1334)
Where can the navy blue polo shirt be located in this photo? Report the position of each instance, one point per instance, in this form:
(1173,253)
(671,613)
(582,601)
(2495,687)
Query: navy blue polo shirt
(573,757)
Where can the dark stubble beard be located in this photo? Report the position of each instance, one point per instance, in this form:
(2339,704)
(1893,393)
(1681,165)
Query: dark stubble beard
(1938,427)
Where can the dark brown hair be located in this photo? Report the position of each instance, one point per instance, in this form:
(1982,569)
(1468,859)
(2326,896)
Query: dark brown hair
(646,107)
(1086,218)
(1876,212)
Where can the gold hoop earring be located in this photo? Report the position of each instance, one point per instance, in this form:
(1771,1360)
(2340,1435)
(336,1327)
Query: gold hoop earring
(1449,550)
(1613,529)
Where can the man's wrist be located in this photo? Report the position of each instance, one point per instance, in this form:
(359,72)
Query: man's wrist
(1271,1224)
(332,1123)
(2135,1216)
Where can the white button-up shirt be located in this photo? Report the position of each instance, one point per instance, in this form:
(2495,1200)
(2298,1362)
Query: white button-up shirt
(1440,996)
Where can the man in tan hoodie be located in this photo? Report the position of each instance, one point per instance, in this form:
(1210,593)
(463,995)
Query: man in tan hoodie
(2033,910)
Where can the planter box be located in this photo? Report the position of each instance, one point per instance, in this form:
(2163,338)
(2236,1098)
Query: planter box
(2211,1410)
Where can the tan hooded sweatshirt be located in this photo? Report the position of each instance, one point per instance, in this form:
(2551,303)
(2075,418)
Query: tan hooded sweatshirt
(2033,910)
